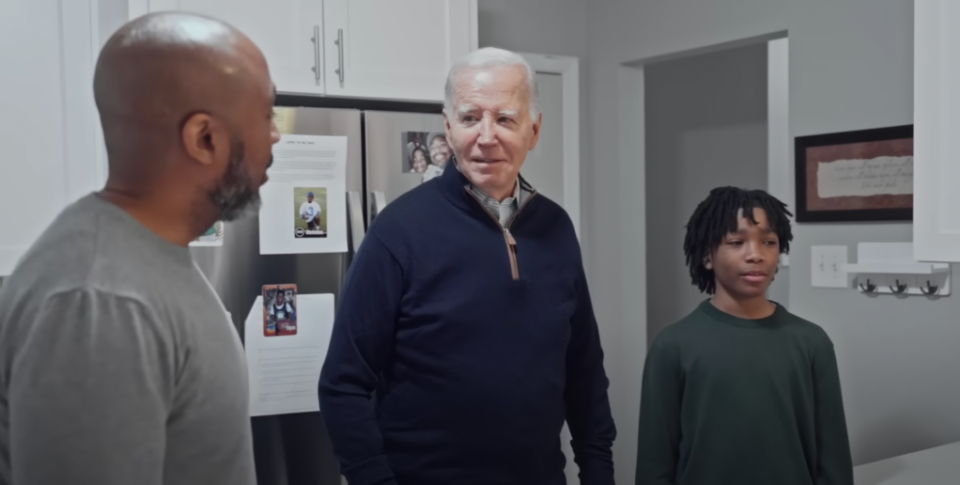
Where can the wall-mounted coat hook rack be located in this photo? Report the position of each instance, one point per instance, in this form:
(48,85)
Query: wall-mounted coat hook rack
(890,268)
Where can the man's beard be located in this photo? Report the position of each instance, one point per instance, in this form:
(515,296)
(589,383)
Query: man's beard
(236,194)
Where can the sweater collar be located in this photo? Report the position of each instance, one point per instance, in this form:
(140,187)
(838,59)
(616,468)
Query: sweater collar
(454,185)
(723,317)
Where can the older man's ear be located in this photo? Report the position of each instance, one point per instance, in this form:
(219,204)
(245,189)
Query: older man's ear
(536,131)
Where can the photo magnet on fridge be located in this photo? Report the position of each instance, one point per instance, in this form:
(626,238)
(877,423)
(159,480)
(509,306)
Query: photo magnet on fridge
(279,310)
(311,212)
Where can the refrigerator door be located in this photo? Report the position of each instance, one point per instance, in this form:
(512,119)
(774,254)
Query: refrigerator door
(402,149)
(291,449)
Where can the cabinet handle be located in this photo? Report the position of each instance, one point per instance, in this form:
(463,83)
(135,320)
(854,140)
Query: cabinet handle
(316,52)
(339,43)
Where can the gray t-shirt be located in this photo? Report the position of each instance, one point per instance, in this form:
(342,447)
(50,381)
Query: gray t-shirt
(118,363)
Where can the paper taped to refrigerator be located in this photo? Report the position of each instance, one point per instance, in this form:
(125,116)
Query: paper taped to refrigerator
(283,368)
(304,202)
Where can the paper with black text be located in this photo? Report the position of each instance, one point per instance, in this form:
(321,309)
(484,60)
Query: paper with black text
(283,370)
(304,201)
(865,177)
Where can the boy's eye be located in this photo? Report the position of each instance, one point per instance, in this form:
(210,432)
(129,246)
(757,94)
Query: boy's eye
(735,242)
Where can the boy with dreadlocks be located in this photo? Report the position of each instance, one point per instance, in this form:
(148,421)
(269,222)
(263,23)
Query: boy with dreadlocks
(741,391)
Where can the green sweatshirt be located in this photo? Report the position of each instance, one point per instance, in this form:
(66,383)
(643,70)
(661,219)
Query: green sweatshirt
(730,401)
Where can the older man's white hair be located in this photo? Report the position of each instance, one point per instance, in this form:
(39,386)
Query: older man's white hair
(492,57)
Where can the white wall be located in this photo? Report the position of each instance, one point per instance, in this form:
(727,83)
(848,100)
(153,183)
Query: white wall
(850,68)
(706,126)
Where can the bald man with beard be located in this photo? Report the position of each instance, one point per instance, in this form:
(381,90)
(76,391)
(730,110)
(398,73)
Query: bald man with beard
(118,363)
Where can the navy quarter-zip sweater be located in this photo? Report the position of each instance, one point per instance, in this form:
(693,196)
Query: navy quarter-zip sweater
(473,371)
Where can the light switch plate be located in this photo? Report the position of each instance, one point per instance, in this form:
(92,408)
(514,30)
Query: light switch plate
(826,266)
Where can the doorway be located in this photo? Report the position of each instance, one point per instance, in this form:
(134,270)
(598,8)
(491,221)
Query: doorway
(707,124)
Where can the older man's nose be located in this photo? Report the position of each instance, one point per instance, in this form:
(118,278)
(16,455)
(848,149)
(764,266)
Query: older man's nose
(487,132)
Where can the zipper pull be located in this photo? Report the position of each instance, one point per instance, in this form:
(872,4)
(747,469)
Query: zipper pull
(510,240)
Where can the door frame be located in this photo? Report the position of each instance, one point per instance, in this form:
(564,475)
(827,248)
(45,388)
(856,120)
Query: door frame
(631,340)
(569,70)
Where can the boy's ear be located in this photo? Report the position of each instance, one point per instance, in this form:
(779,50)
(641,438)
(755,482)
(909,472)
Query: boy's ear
(708,263)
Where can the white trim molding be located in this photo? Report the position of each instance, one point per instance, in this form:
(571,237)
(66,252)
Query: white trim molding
(780,180)
(628,338)
(569,70)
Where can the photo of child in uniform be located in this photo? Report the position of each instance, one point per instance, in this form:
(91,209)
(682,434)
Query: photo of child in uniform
(425,153)
(279,310)
(311,215)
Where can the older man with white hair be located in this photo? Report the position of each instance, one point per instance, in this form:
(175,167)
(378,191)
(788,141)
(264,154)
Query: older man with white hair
(465,335)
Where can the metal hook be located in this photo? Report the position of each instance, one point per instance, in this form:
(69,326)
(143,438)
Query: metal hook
(929,290)
(869,288)
(899,289)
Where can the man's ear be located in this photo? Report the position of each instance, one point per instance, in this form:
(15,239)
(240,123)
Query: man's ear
(537,124)
(204,139)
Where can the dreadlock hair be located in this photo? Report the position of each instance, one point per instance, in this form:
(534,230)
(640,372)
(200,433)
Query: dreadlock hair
(717,216)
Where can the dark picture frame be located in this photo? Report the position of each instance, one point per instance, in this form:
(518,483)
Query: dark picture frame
(809,152)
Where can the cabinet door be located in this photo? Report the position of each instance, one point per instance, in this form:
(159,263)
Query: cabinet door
(33,184)
(395,50)
(283,29)
(936,200)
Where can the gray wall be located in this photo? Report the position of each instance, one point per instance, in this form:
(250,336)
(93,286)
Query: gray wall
(850,68)
(555,27)
(706,126)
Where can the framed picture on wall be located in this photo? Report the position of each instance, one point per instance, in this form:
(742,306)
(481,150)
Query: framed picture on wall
(864,175)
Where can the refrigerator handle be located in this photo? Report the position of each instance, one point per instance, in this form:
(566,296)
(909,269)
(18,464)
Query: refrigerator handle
(355,219)
(379,203)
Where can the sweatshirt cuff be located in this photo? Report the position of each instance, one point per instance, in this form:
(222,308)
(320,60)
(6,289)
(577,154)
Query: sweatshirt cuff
(375,471)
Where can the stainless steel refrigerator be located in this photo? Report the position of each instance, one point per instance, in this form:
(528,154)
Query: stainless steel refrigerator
(385,144)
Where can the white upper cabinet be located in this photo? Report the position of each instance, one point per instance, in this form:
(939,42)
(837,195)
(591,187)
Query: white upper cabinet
(395,49)
(288,32)
(936,200)
(386,49)
(49,137)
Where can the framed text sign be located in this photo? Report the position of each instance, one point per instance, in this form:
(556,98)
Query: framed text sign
(864,175)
